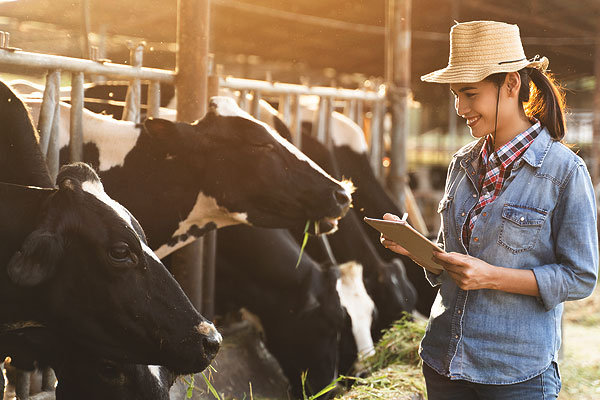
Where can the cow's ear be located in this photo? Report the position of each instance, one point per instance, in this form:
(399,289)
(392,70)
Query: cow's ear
(36,261)
(159,128)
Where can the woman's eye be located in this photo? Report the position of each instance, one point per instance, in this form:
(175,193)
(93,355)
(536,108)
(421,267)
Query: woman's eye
(469,95)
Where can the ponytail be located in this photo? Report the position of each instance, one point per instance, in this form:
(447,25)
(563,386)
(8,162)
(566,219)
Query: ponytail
(545,101)
(542,98)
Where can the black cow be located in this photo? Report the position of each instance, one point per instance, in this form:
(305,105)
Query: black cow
(76,261)
(299,308)
(181,179)
(385,281)
(370,198)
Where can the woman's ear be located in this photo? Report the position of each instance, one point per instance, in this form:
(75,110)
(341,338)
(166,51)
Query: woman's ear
(513,83)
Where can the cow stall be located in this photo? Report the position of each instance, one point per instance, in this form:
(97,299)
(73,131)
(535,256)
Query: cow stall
(354,103)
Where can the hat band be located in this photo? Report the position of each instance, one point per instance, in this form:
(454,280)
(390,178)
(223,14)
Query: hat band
(514,61)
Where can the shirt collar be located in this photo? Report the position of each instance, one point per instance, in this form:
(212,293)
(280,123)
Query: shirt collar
(504,155)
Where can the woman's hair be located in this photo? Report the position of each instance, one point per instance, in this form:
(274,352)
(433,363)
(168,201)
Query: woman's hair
(542,98)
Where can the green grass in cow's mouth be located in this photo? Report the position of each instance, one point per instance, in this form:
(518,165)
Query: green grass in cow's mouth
(191,385)
(304,240)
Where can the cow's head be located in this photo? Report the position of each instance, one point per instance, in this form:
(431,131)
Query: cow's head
(96,281)
(257,177)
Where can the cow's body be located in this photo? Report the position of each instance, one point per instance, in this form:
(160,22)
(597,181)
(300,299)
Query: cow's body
(76,261)
(181,179)
(299,308)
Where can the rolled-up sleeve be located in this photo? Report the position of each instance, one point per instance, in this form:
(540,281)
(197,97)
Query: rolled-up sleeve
(575,234)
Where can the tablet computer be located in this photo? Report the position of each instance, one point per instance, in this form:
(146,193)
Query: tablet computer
(408,237)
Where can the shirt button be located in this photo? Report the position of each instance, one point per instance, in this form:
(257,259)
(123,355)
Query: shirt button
(484,214)
(456,336)
(474,195)
(472,172)
(522,219)
(476,239)
(459,311)
(462,214)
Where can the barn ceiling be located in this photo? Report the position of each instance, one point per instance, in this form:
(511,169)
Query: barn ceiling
(346,37)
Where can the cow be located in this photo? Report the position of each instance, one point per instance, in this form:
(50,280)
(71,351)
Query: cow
(386,281)
(182,179)
(301,309)
(69,256)
(370,198)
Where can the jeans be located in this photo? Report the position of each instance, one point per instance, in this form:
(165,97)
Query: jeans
(542,387)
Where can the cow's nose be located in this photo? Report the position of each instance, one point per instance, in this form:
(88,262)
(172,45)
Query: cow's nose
(342,197)
(212,344)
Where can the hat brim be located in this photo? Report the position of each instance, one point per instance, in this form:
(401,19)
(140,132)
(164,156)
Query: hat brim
(472,73)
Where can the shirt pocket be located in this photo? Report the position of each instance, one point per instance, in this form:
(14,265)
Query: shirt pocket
(521,227)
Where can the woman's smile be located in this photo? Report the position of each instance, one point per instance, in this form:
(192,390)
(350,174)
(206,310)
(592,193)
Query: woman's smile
(472,121)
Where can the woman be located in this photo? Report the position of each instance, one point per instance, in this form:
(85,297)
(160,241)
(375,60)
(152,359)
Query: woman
(518,226)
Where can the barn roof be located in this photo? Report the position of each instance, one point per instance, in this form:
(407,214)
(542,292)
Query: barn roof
(345,36)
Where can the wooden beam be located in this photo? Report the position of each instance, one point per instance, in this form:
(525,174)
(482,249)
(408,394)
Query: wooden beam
(398,57)
(191,91)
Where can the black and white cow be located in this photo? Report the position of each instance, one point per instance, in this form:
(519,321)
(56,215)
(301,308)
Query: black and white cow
(301,309)
(370,198)
(228,168)
(76,261)
(386,281)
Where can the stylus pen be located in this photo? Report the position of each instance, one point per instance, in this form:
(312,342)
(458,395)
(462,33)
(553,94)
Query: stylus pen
(404,217)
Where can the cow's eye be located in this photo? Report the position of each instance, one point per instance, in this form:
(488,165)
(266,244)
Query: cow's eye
(121,254)
(265,146)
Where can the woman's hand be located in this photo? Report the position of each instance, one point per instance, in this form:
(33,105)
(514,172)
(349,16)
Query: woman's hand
(389,243)
(468,272)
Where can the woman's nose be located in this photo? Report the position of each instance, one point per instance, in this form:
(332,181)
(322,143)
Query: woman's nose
(460,106)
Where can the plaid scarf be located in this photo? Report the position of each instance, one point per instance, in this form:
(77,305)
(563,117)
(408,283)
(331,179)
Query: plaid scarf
(495,168)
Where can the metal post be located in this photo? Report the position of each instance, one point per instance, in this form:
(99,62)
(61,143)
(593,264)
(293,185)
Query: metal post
(285,109)
(153,99)
(133,100)
(318,130)
(375,147)
(191,90)
(360,115)
(243,100)
(398,41)
(52,156)
(255,107)
(47,109)
(210,239)
(296,122)
(76,126)
(85,28)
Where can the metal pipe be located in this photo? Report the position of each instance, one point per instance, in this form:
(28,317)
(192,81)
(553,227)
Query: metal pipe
(53,154)
(47,109)
(255,107)
(133,99)
(285,109)
(76,126)
(153,100)
(296,122)
(69,64)
(375,148)
(289,88)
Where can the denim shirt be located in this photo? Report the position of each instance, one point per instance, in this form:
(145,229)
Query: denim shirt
(544,220)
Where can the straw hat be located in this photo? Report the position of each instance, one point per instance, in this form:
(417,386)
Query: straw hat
(481,48)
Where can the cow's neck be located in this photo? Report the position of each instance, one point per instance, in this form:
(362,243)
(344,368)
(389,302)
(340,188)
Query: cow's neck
(21,160)
(165,196)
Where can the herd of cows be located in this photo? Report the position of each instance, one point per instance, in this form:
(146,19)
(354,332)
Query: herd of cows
(85,291)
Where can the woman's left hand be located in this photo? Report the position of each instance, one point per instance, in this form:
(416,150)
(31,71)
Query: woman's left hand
(468,272)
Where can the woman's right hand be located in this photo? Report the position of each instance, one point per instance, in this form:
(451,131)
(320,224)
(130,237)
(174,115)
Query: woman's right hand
(390,244)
